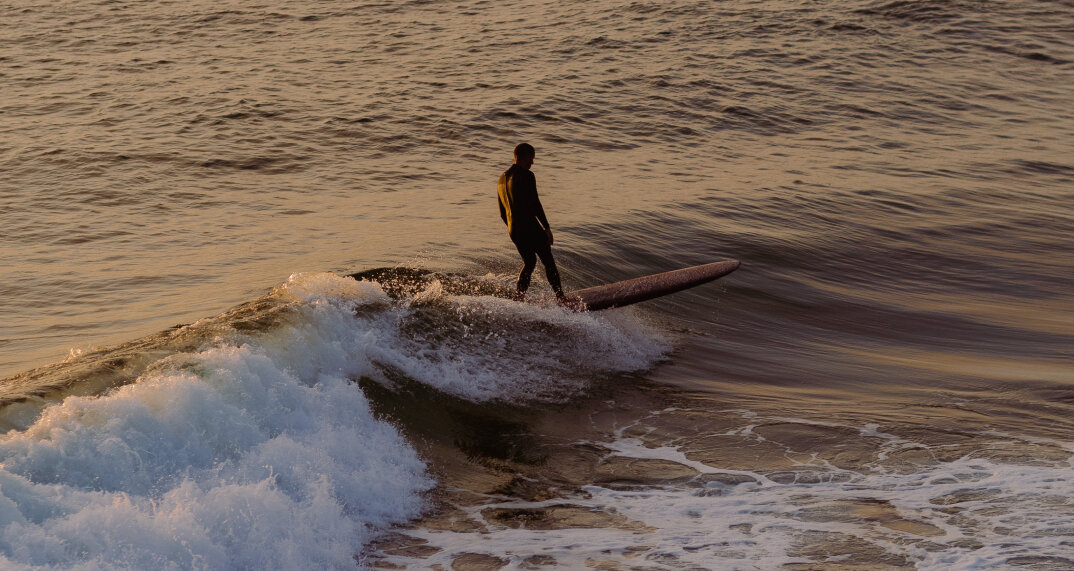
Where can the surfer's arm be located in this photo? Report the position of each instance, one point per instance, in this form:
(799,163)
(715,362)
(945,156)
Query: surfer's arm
(533,201)
(541,218)
(503,211)
(538,211)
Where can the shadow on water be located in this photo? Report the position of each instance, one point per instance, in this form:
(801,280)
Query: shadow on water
(511,450)
(486,434)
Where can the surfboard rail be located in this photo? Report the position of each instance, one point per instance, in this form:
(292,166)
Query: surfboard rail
(645,288)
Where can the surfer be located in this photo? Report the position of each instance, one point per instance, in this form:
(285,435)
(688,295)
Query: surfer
(521,210)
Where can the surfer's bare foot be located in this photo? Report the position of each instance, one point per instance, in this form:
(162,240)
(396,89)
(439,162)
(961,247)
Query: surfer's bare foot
(572,303)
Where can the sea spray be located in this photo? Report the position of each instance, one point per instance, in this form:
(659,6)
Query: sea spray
(485,348)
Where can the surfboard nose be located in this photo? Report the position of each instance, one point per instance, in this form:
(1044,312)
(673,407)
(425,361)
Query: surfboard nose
(648,287)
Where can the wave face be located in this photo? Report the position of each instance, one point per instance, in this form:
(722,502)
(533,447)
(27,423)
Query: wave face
(261,451)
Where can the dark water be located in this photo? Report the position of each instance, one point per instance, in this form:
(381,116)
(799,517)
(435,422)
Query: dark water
(885,383)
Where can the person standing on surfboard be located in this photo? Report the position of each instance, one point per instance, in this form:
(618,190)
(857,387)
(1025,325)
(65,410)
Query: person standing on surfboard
(521,210)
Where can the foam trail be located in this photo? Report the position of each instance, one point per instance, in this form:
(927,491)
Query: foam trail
(253,454)
(958,514)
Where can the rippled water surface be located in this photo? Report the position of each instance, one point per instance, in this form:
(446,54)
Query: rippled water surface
(887,381)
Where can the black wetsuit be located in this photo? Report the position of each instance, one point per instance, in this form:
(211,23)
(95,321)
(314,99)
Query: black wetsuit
(521,210)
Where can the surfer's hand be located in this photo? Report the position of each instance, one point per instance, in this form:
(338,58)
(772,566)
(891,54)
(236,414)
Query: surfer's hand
(548,232)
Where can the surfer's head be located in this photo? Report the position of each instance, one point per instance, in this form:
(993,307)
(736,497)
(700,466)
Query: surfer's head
(524,154)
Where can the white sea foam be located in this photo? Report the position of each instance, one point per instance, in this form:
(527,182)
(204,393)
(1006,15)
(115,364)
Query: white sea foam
(484,348)
(256,455)
(964,514)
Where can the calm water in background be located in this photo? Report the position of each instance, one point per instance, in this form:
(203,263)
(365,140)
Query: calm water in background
(889,375)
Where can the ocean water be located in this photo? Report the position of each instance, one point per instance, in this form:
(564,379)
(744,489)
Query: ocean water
(190,379)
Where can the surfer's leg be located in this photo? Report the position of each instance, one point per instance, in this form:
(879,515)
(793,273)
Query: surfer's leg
(550,271)
(529,259)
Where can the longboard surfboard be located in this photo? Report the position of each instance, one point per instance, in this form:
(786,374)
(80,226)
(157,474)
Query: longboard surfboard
(644,288)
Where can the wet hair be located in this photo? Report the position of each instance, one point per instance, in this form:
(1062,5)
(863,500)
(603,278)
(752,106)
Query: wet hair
(525,150)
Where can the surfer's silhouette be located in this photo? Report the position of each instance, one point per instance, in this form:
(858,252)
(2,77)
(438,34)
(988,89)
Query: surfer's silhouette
(521,210)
